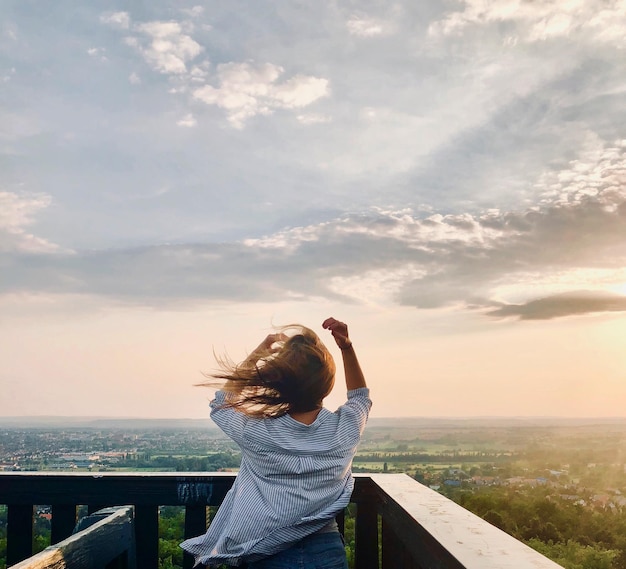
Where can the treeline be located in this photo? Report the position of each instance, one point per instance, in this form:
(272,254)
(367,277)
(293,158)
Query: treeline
(570,533)
(210,463)
(452,456)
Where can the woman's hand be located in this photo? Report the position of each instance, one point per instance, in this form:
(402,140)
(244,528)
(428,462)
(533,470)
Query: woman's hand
(270,340)
(266,347)
(339,330)
(354,375)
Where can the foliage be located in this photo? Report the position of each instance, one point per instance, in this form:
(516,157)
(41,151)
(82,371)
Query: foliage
(3,537)
(171,531)
(210,463)
(41,534)
(573,555)
(575,536)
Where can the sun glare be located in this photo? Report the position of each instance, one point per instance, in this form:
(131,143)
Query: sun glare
(620,289)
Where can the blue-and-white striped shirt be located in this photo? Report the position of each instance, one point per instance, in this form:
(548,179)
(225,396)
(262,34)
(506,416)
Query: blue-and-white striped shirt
(294,479)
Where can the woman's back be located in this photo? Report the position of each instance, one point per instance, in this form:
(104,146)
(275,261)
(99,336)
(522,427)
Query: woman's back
(294,477)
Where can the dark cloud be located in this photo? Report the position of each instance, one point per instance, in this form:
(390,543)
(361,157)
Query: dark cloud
(173,273)
(566,304)
(437,261)
(557,239)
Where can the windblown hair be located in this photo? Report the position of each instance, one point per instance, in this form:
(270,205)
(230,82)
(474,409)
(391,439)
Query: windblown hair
(293,376)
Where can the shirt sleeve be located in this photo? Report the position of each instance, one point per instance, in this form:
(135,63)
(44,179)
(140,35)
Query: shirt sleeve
(353,415)
(230,421)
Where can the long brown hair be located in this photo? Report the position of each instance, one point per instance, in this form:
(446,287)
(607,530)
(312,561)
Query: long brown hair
(293,375)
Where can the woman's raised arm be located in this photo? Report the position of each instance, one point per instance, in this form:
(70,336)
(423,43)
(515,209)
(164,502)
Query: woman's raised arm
(352,369)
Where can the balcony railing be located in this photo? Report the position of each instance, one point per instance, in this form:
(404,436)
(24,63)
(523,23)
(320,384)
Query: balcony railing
(103,540)
(418,529)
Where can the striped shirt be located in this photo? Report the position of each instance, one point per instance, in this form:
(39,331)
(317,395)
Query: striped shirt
(294,479)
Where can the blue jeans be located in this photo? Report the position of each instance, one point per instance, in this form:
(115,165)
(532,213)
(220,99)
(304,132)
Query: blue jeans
(317,551)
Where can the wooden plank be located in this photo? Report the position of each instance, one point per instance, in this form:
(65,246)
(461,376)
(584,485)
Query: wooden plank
(436,532)
(195,520)
(114,488)
(195,524)
(147,536)
(93,548)
(19,532)
(366,538)
(63,522)
(394,554)
(390,546)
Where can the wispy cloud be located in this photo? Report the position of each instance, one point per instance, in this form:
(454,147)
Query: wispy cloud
(242,89)
(246,90)
(98,53)
(487,261)
(117,19)
(193,12)
(165,46)
(16,214)
(313,118)
(188,121)
(540,21)
(566,304)
(365,26)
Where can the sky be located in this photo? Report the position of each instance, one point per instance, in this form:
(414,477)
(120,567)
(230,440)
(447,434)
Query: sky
(447,177)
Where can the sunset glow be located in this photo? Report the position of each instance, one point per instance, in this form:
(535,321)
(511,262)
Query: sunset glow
(448,178)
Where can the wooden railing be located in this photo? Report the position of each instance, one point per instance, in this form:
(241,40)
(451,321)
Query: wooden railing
(107,541)
(418,529)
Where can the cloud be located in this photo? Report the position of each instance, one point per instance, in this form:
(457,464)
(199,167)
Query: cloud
(242,89)
(521,128)
(601,20)
(365,26)
(380,257)
(312,118)
(194,12)
(165,47)
(6,77)
(599,171)
(519,263)
(188,121)
(98,52)
(248,89)
(501,262)
(16,213)
(566,304)
(119,20)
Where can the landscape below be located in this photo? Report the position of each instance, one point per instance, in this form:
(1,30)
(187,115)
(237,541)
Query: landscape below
(556,485)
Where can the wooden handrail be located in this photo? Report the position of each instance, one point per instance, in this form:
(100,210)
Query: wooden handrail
(426,529)
(107,543)
(420,527)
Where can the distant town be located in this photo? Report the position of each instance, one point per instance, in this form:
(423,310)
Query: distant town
(438,452)
(109,445)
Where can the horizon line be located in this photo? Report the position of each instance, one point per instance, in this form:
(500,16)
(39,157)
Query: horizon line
(143,418)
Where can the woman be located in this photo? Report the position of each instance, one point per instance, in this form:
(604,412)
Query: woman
(296,456)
